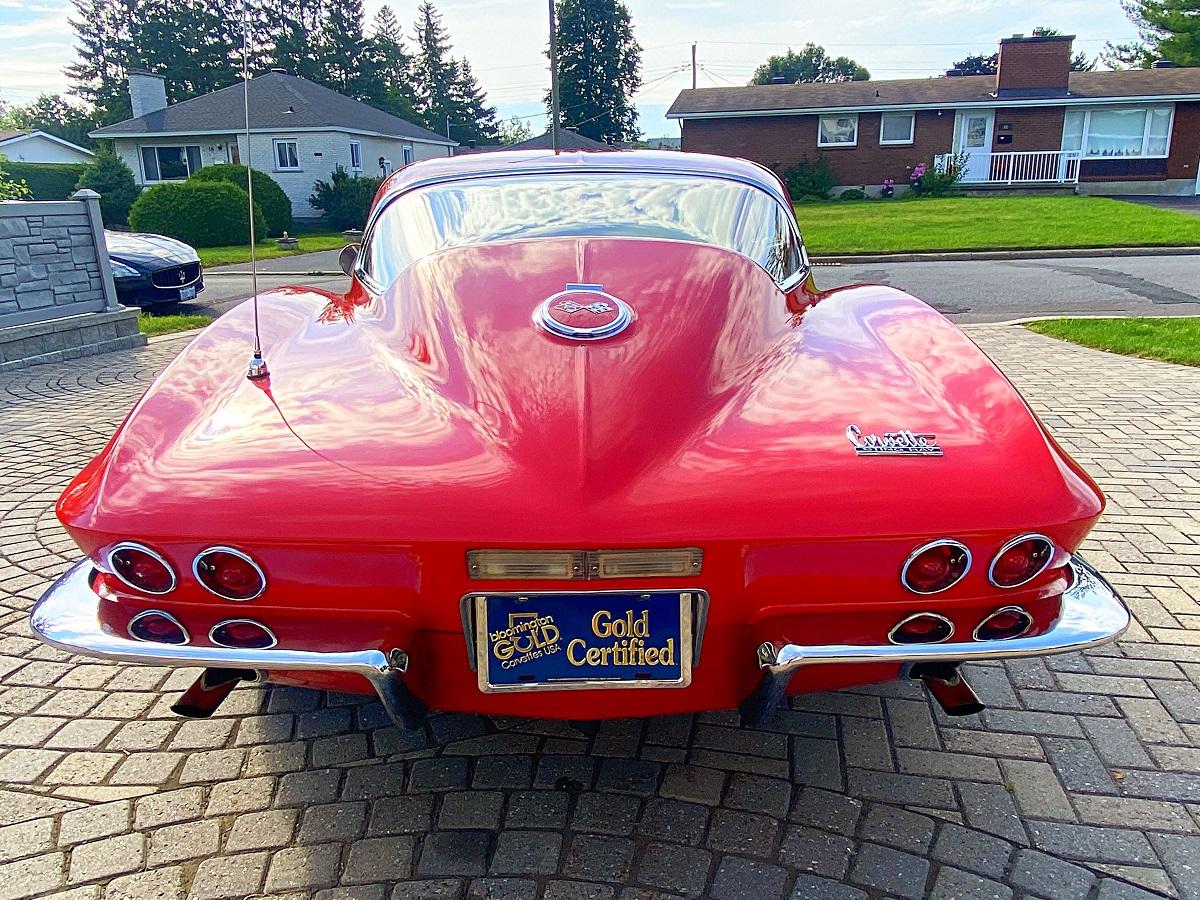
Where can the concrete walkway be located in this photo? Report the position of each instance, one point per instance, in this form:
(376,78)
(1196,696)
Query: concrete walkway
(1082,778)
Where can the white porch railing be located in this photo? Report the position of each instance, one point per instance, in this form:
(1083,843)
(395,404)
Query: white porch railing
(1015,167)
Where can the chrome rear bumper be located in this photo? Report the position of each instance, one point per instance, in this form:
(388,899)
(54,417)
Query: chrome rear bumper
(67,617)
(1091,614)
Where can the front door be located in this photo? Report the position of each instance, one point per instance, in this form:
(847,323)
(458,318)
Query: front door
(973,136)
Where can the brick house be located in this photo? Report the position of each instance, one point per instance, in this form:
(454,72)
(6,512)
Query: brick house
(1034,122)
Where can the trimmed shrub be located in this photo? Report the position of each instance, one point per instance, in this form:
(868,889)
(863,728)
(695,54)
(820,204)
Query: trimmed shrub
(809,179)
(109,177)
(345,201)
(268,195)
(852,194)
(47,181)
(203,214)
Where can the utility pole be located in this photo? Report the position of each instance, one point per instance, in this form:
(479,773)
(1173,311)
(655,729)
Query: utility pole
(554,112)
(693,65)
(448,127)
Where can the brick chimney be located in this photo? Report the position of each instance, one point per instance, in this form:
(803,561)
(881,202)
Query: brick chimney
(147,92)
(1034,66)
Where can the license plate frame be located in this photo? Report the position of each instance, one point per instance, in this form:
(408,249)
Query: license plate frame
(187,293)
(692,614)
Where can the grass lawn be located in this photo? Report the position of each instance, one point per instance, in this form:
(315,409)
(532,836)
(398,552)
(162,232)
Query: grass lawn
(1170,339)
(989,223)
(239,253)
(152,324)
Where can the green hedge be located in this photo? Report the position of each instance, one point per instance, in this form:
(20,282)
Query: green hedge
(109,177)
(268,195)
(203,214)
(47,181)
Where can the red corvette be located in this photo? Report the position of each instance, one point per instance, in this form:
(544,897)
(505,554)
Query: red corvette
(582,440)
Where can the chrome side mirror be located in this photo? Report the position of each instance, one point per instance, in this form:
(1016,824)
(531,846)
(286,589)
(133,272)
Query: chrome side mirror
(348,258)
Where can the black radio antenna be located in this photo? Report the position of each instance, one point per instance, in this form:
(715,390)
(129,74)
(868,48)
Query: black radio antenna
(258,365)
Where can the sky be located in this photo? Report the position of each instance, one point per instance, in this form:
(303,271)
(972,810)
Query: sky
(504,41)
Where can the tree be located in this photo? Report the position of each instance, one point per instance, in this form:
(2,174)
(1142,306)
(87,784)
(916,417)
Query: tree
(102,43)
(1167,29)
(109,177)
(196,45)
(53,114)
(294,22)
(987,65)
(10,189)
(514,131)
(599,69)
(391,67)
(434,71)
(473,119)
(812,63)
(343,49)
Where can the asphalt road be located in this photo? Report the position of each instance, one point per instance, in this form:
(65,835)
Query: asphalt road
(979,291)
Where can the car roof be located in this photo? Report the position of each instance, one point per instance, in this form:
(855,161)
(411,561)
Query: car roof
(532,162)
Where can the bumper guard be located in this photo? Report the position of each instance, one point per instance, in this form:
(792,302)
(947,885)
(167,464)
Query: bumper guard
(67,617)
(1091,614)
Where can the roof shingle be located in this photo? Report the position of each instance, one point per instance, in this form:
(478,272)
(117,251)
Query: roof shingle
(278,102)
(767,98)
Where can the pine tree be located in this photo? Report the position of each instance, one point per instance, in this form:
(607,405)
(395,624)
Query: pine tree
(343,49)
(103,44)
(210,57)
(390,67)
(1168,29)
(295,22)
(600,64)
(434,71)
(472,119)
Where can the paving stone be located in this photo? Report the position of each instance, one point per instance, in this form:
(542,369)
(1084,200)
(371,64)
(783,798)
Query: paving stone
(304,868)
(265,830)
(818,852)
(471,809)
(106,858)
(537,809)
(672,820)
(1179,853)
(177,843)
(973,850)
(28,877)
(373,782)
(304,788)
(748,834)
(354,892)
(333,822)
(577,890)
(893,871)
(745,879)
(1051,878)
(1088,842)
(160,884)
(898,828)
(493,772)
(605,813)
(631,776)
(813,887)
(955,884)
(693,784)
(454,853)
(526,853)
(683,870)
(26,839)
(441,774)
(599,858)
(430,889)
(93,822)
(379,859)
(401,815)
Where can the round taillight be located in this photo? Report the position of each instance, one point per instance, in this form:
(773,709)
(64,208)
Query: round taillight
(1021,560)
(1006,622)
(244,634)
(229,573)
(922,628)
(158,627)
(935,567)
(141,568)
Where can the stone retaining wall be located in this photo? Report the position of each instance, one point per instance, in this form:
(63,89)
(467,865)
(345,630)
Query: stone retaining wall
(57,298)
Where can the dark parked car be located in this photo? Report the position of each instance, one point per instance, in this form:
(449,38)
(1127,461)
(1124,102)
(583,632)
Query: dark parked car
(150,269)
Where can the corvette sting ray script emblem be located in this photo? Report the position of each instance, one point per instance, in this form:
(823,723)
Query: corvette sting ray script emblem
(893,443)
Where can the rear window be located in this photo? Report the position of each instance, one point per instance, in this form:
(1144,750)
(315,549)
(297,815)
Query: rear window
(701,210)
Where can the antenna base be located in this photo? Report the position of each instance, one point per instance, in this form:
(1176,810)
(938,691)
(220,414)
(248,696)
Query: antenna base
(257,367)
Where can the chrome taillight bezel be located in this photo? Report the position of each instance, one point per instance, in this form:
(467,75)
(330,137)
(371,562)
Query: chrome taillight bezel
(1030,536)
(940,542)
(257,624)
(240,554)
(920,615)
(1004,609)
(115,570)
(145,613)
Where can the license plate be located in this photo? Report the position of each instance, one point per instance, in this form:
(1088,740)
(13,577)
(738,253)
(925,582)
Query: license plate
(187,293)
(584,640)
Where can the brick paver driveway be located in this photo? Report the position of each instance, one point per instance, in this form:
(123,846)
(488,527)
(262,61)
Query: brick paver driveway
(1082,779)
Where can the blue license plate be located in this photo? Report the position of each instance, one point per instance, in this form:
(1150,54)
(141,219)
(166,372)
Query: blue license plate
(583,640)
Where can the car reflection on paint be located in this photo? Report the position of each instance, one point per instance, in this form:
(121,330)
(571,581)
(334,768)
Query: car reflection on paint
(152,269)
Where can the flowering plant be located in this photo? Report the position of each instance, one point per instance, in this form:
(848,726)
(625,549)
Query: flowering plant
(888,188)
(918,173)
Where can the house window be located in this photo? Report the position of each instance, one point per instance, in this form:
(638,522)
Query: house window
(1118,132)
(356,156)
(408,155)
(169,163)
(837,131)
(287,158)
(896,128)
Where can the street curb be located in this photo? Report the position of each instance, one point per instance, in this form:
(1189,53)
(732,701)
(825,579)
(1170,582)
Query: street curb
(275,274)
(1028,319)
(983,255)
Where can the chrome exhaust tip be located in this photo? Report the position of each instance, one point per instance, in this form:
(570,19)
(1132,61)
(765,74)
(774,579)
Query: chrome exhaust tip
(209,691)
(948,687)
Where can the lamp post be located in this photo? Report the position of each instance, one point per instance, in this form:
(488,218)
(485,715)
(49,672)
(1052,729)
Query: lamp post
(554,113)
